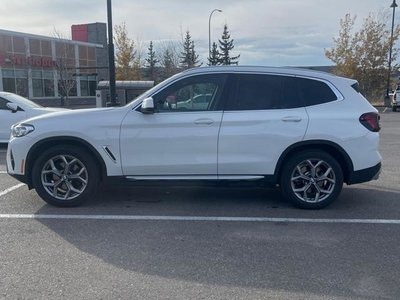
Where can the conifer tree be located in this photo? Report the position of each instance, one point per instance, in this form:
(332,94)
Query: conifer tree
(226,46)
(151,62)
(188,58)
(213,60)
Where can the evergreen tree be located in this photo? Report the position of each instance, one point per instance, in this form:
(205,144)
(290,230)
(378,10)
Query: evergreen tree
(213,60)
(188,58)
(168,63)
(151,62)
(226,46)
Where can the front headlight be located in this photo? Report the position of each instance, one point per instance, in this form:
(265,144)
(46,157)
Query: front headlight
(22,129)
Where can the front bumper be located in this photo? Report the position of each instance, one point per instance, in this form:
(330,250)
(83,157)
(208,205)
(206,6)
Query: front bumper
(365,175)
(16,158)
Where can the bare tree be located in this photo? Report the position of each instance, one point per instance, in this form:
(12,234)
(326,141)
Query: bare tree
(65,68)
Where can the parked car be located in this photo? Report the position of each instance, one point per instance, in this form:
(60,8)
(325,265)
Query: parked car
(395,97)
(308,132)
(13,109)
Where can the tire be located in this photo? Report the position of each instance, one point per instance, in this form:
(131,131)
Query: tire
(311,179)
(65,175)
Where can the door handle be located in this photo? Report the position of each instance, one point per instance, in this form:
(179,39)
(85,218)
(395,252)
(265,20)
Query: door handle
(203,121)
(291,119)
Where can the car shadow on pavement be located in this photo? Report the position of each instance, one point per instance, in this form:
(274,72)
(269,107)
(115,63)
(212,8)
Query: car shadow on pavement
(270,255)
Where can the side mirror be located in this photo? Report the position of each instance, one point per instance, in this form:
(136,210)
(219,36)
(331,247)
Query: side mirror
(147,106)
(12,106)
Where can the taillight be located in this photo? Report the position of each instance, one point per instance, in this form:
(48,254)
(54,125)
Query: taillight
(371,121)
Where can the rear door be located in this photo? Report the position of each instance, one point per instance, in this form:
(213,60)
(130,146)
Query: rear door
(262,117)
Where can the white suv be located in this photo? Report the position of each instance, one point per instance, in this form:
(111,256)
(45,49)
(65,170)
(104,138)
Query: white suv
(303,130)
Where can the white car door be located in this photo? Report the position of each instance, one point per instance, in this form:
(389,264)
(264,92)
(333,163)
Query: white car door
(180,138)
(8,118)
(258,124)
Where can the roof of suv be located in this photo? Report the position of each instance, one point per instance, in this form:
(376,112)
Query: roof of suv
(263,69)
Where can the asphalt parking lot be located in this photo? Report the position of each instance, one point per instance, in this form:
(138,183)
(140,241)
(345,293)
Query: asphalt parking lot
(194,242)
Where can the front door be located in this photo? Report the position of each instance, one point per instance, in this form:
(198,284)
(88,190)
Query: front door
(181,137)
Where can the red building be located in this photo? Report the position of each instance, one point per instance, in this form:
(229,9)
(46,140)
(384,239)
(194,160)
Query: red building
(46,68)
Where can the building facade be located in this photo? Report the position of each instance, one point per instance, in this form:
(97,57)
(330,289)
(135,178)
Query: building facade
(49,70)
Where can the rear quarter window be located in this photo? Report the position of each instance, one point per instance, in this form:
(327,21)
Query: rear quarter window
(314,92)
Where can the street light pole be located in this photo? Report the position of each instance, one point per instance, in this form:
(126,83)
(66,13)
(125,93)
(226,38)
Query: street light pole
(394,5)
(111,59)
(209,31)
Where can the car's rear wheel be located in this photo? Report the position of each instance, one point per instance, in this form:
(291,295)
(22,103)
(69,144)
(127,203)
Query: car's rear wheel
(311,179)
(65,175)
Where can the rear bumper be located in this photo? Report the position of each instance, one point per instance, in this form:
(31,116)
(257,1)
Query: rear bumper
(365,175)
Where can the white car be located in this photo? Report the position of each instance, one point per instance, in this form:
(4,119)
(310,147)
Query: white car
(395,97)
(13,109)
(308,132)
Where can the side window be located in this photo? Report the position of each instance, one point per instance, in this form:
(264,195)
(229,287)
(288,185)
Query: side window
(314,92)
(3,104)
(197,93)
(256,92)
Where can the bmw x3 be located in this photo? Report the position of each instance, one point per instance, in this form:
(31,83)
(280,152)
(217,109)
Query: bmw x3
(307,132)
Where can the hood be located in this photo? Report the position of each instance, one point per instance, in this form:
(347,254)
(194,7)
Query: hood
(48,113)
(48,109)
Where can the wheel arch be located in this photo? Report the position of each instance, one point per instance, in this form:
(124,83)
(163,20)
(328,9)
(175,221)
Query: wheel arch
(61,140)
(329,147)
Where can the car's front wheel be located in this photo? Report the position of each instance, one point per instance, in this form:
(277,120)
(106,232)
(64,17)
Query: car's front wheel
(65,175)
(311,179)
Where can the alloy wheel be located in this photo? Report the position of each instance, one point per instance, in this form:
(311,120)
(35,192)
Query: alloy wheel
(313,180)
(64,177)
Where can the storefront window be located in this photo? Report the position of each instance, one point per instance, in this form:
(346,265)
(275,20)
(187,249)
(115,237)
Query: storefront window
(84,87)
(88,85)
(9,85)
(15,81)
(92,85)
(37,83)
(42,83)
(48,83)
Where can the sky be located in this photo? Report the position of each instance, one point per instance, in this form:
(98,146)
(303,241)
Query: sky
(265,32)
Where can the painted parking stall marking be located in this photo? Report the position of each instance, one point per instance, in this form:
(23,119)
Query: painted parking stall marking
(6,191)
(197,218)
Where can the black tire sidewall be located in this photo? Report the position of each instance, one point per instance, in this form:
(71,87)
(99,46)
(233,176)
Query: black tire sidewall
(79,153)
(285,182)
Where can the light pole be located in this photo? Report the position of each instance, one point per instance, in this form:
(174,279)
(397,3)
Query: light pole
(394,5)
(111,62)
(209,31)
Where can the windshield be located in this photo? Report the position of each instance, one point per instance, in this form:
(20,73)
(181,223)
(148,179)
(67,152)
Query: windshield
(21,100)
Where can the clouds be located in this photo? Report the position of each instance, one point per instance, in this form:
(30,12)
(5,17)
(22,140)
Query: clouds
(267,32)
